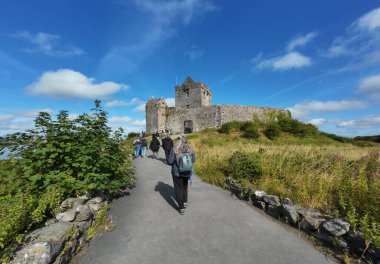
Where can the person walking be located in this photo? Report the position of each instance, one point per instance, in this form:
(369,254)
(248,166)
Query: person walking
(181,158)
(144,145)
(167,145)
(154,146)
(137,145)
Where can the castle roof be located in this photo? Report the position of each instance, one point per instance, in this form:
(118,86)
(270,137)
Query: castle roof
(189,83)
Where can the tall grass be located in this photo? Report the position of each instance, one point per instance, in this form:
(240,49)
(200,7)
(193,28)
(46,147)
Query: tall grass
(314,172)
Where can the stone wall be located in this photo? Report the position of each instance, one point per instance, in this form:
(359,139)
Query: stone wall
(202,117)
(245,113)
(156,114)
(62,236)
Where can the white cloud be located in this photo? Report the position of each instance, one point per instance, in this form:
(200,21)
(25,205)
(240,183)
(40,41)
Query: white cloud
(370,85)
(170,102)
(364,122)
(301,40)
(116,103)
(140,108)
(120,119)
(194,53)
(48,44)
(292,60)
(317,121)
(139,123)
(66,83)
(369,21)
(361,38)
(306,108)
(20,120)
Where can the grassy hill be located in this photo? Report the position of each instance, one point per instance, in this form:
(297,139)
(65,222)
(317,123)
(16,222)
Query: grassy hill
(314,170)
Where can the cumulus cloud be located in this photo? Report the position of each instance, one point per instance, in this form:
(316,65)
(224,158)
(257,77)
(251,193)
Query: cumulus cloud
(364,122)
(66,83)
(292,60)
(19,120)
(370,86)
(317,121)
(140,108)
(48,44)
(305,108)
(116,103)
(139,123)
(170,102)
(301,40)
(120,119)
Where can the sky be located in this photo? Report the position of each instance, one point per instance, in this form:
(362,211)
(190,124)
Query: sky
(318,59)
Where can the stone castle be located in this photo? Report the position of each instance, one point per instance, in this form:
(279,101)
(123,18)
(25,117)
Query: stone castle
(194,111)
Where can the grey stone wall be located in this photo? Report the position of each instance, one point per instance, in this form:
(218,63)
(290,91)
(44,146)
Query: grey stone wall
(202,117)
(156,114)
(245,113)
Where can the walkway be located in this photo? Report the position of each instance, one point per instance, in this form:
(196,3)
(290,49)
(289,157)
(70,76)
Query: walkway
(215,228)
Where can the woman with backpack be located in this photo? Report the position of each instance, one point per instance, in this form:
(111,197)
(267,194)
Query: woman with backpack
(181,158)
(154,146)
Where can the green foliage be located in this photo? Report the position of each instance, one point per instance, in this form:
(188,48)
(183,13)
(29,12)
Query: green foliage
(250,130)
(229,127)
(58,159)
(272,131)
(133,135)
(295,127)
(244,165)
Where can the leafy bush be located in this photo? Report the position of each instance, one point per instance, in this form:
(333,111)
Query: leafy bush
(228,127)
(58,159)
(244,165)
(133,134)
(250,130)
(295,127)
(272,131)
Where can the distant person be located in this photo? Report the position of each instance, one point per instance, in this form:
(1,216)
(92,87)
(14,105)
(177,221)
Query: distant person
(155,146)
(155,134)
(144,145)
(181,158)
(167,145)
(137,148)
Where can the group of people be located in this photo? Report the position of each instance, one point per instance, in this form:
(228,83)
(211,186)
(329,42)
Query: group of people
(180,156)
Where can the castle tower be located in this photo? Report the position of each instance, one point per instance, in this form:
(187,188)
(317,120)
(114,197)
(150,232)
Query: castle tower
(192,95)
(156,114)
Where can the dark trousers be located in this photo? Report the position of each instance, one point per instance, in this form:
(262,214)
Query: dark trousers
(180,189)
(167,152)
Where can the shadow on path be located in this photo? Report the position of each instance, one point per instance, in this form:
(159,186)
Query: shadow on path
(167,193)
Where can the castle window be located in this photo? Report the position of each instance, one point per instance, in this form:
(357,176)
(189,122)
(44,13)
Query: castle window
(187,93)
(188,106)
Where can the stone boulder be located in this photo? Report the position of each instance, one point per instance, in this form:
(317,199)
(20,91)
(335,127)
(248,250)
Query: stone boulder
(70,203)
(289,211)
(330,241)
(83,213)
(57,232)
(336,227)
(271,200)
(272,211)
(259,195)
(38,253)
(67,216)
(309,223)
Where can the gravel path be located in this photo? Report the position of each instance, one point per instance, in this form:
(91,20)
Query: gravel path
(215,228)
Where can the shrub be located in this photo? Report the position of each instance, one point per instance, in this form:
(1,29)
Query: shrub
(243,165)
(272,131)
(228,127)
(250,130)
(295,127)
(133,135)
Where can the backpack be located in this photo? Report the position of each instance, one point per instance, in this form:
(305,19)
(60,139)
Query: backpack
(185,164)
(185,161)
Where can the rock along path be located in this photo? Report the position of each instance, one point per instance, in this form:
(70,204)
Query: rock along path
(215,228)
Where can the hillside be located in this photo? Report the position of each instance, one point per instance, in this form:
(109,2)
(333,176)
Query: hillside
(313,170)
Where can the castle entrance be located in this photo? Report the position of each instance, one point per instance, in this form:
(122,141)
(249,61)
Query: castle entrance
(188,127)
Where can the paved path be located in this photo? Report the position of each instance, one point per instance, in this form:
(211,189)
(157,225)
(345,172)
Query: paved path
(215,228)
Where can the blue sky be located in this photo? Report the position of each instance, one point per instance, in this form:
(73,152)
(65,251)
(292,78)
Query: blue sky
(319,59)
